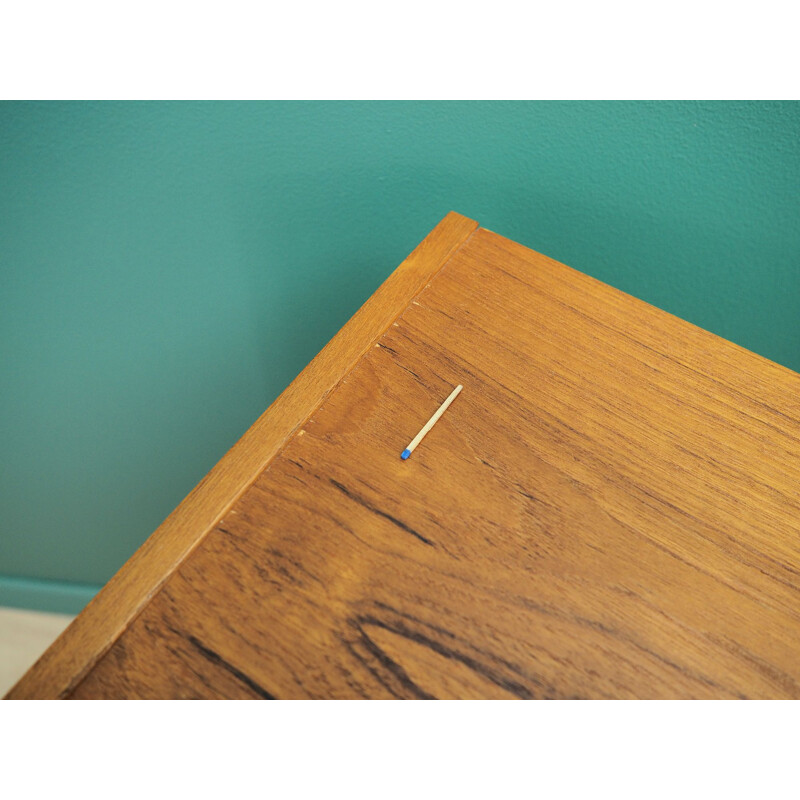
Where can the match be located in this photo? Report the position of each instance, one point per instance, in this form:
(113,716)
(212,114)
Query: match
(430,423)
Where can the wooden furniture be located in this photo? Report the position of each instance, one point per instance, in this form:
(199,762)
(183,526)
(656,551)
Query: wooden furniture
(610,509)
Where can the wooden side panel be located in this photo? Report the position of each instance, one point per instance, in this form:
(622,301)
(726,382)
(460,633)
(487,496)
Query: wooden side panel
(609,509)
(99,625)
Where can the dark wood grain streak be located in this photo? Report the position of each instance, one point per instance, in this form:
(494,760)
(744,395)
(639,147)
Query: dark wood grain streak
(610,509)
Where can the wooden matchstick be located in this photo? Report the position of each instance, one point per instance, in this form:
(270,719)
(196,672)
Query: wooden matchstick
(430,423)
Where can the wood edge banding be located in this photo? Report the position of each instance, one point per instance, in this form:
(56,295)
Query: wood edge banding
(73,654)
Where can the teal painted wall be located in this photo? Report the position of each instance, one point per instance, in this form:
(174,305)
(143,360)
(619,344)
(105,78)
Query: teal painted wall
(167,268)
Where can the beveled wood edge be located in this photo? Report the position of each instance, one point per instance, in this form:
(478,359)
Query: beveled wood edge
(100,624)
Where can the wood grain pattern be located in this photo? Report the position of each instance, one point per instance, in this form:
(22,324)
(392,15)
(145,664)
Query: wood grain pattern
(610,509)
(104,619)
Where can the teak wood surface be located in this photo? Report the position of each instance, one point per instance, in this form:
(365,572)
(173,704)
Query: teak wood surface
(609,509)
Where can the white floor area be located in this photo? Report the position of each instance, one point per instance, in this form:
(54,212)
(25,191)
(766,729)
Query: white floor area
(24,636)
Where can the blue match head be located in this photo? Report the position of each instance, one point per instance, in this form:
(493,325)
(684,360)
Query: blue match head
(405,454)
